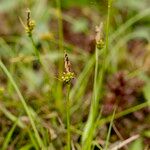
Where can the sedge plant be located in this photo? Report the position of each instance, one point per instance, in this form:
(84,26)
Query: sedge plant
(90,127)
(98,83)
(67,76)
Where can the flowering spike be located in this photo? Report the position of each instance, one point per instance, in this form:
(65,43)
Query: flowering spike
(67,75)
(99,36)
(67,63)
(30,24)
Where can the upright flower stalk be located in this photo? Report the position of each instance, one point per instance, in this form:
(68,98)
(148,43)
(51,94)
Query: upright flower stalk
(29,27)
(67,76)
(30,24)
(90,126)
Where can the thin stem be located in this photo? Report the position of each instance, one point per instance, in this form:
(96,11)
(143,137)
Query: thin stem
(68,117)
(23,103)
(35,49)
(109,130)
(95,81)
(107,25)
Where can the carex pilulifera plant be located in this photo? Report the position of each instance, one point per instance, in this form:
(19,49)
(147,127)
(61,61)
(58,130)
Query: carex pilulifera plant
(67,76)
(30,24)
(89,129)
(29,27)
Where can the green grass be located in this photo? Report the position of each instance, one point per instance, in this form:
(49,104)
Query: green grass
(64,116)
(8,136)
(98,84)
(40,142)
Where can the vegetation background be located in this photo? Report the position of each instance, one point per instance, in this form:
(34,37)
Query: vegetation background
(106,105)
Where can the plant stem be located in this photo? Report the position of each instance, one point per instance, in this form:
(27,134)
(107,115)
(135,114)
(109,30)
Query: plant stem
(98,82)
(110,127)
(88,130)
(35,49)
(68,117)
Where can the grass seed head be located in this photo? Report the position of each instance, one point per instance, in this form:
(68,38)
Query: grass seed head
(68,75)
(30,24)
(99,36)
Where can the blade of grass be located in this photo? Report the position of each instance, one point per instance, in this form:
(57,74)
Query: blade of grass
(90,122)
(32,139)
(109,130)
(92,131)
(8,136)
(23,103)
(75,93)
(97,145)
(26,147)
(123,113)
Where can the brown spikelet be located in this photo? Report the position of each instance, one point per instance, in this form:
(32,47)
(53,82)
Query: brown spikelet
(68,75)
(67,63)
(28,17)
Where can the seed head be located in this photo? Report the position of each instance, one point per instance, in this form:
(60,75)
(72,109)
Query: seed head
(99,36)
(67,75)
(30,24)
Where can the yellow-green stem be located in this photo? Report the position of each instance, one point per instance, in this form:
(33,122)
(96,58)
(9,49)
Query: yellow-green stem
(35,49)
(68,118)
